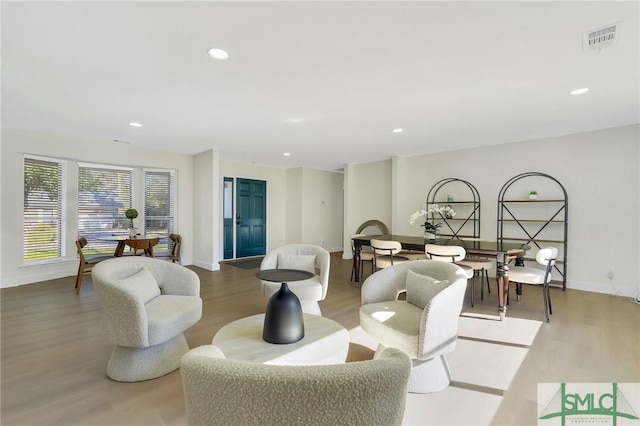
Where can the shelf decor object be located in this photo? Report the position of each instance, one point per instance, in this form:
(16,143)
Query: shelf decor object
(539,222)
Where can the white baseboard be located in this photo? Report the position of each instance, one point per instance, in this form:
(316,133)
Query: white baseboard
(206,265)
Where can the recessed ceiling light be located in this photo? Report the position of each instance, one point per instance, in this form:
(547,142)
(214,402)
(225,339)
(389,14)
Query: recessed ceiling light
(295,120)
(218,54)
(398,130)
(135,124)
(579,91)
(287,154)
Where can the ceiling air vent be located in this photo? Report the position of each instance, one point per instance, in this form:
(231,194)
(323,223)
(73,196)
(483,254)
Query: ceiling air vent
(595,40)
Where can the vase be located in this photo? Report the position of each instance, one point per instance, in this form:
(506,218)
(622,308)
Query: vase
(283,320)
(133,232)
(431,235)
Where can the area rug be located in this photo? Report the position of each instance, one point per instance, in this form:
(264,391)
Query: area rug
(252,263)
(483,341)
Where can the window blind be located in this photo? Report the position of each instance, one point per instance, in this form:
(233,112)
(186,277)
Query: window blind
(43,212)
(104,193)
(159,202)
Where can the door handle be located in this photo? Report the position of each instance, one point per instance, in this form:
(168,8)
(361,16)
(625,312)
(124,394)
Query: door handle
(238,219)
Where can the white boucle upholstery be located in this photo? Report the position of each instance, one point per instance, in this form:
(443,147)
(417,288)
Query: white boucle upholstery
(219,391)
(310,291)
(147,334)
(424,334)
(422,288)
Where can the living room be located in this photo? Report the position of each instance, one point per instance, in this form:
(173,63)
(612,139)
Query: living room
(590,143)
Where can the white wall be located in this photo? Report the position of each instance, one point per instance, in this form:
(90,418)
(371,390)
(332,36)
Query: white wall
(599,170)
(207,210)
(368,195)
(295,200)
(322,207)
(15,144)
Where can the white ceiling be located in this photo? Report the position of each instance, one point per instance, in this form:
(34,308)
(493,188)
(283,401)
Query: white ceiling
(325,81)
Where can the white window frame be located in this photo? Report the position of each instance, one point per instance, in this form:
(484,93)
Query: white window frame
(62,212)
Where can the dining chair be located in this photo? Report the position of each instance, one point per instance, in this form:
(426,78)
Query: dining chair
(86,262)
(174,254)
(373,227)
(525,275)
(366,255)
(385,253)
(146,245)
(451,254)
(480,265)
(369,227)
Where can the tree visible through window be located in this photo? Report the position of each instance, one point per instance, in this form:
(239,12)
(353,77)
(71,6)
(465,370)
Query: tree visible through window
(43,213)
(104,193)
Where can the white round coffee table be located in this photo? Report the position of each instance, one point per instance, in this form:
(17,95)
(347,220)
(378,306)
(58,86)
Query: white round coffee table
(324,342)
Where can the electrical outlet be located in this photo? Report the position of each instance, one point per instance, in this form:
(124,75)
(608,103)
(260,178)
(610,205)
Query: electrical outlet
(610,274)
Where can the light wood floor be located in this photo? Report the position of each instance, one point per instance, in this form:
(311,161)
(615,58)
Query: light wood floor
(54,356)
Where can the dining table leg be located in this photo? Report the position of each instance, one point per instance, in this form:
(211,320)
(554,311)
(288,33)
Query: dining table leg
(502,277)
(120,248)
(356,264)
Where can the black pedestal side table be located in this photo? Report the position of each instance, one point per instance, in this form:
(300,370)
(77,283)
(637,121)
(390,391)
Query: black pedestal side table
(283,320)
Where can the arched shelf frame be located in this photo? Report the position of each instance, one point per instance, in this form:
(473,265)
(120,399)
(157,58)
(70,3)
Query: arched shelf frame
(467,225)
(532,228)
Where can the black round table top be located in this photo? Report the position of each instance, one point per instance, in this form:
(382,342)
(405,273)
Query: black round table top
(283,275)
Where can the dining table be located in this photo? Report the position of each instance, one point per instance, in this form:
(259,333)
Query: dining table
(122,242)
(503,252)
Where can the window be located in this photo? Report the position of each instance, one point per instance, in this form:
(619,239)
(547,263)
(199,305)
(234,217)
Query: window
(43,209)
(104,193)
(159,201)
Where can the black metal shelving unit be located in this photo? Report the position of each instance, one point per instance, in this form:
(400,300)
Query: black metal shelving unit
(466,224)
(538,222)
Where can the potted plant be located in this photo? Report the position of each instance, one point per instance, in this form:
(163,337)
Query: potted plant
(132,214)
(431,229)
(533,195)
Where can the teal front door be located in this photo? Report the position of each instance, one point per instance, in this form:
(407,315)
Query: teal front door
(251,217)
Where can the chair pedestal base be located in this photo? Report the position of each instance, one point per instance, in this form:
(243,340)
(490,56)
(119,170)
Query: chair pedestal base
(137,364)
(427,376)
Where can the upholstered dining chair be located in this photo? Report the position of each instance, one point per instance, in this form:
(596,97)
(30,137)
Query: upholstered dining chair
(480,265)
(373,227)
(527,275)
(306,257)
(385,253)
(451,254)
(86,262)
(366,255)
(220,391)
(425,324)
(174,253)
(147,304)
(369,227)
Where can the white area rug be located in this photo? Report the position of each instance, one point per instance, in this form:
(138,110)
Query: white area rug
(484,342)
(513,331)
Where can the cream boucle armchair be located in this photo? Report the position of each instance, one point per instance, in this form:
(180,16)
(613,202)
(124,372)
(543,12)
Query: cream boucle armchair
(305,257)
(146,304)
(425,326)
(220,391)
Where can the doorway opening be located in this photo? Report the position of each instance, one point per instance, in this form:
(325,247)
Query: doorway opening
(244,207)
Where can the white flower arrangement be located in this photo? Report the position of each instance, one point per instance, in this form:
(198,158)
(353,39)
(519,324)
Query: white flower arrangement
(432,211)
